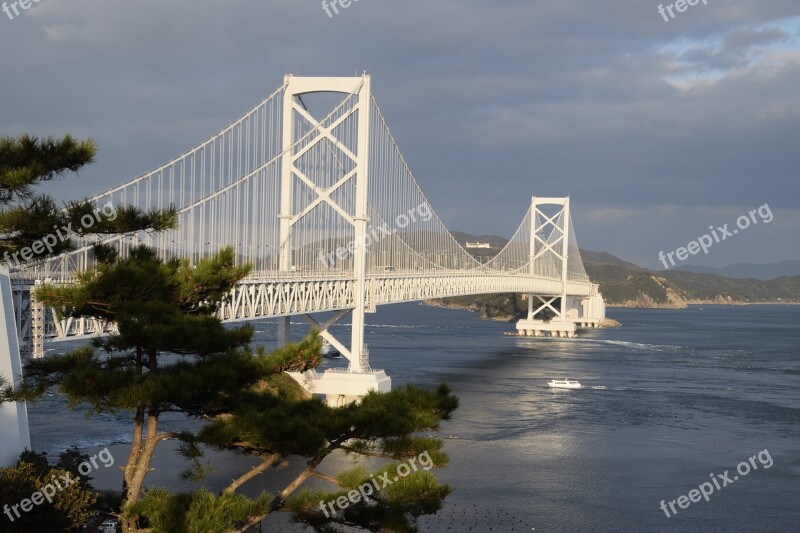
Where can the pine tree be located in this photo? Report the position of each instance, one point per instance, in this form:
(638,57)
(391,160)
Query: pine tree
(169,345)
(171,354)
(391,426)
(26,217)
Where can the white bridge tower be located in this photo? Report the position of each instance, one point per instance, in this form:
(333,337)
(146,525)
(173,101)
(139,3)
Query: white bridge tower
(550,247)
(347,139)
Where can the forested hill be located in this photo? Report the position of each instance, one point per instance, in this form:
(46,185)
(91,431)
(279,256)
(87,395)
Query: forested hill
(626,284)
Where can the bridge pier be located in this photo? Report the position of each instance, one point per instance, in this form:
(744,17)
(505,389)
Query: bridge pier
(339,386)
(542,328)
(342,386)
(578,313)
(284,331)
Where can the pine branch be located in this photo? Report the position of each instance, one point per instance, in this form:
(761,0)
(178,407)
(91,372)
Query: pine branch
(27,161)
(255,471)
(325,477)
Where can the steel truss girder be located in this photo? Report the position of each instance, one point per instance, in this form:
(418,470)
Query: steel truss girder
(262,297)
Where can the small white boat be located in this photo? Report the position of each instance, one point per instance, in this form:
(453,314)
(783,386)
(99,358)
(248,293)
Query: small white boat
(563,384)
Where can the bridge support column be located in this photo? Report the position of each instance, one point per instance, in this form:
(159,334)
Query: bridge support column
(14,433)
(594,307)
(294,210)
(37,326)
(342,386)
(284,331)
(359,361)
(591,311)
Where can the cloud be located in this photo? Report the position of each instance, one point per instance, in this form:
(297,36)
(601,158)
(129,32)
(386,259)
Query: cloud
(489,102)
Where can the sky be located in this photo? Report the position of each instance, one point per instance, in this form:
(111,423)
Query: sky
(656,129)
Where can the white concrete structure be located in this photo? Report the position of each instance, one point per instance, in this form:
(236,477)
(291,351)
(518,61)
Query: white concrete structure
(318,198)
(552,244)
(14,434)
(341,387)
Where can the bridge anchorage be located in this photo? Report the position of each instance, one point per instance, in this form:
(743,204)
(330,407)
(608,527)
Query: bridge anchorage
(310,188)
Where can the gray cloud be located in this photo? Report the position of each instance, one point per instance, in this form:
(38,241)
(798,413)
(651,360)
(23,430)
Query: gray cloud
(738,49)
(490,102)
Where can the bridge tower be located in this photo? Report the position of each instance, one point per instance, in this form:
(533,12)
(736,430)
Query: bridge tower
(549,245)
(360,378)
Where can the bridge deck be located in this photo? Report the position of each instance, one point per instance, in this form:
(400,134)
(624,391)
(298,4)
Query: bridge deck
(273,294)
(263,296)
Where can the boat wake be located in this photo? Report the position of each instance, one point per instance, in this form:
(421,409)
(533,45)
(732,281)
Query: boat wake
(635,345)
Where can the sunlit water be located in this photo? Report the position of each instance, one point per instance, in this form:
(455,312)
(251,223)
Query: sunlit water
(668,399)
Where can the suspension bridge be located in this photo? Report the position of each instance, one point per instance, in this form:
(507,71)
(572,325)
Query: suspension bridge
(311,189)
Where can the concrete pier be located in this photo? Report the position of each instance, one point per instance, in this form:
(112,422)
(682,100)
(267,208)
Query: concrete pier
(587,323)
(542,328)
(574,313)
(341,386)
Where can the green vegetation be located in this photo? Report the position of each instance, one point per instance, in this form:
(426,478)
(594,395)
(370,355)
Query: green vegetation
(160,308)
(502,307)
(64,510)
(27,217)
(172,354)
(630,285)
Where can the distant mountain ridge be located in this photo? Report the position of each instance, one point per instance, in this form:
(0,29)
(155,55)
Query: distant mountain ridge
(763,271)
(628,285)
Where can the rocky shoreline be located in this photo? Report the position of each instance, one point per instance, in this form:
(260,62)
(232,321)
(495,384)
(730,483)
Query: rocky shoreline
(482,310)
(648,303)
(486,312)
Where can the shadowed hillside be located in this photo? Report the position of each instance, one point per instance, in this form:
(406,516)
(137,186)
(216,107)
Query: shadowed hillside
(628,285)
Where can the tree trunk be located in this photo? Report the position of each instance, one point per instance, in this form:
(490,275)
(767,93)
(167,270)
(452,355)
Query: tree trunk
(141,468)
(138,428)
(136,451)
